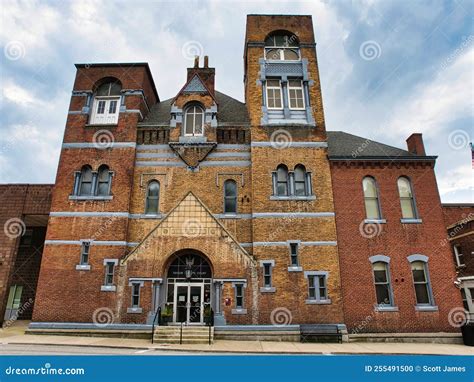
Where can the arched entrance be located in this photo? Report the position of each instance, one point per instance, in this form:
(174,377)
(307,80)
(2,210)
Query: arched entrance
(189,278)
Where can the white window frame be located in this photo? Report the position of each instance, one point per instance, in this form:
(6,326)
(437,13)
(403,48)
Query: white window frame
(316,276)
(457,255)
(106,118)
(135,285)
(279,87)
(194,134)
(84,245)
(301,87)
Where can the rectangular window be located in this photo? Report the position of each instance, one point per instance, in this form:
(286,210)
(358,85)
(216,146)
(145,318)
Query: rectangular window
(267,275)
(294,254)
(420,280)
(109,273)
(135,295)
(468,299)
(295,94)
(382,284)
(274,97)
(105,111)
(85,252)
(317,289)
(458,255)
(239,296)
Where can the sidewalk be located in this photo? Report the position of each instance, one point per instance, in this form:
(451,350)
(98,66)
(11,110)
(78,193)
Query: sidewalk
(15,335)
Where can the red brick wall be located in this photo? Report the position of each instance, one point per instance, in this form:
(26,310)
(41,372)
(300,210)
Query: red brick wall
(396,241)
(16,201)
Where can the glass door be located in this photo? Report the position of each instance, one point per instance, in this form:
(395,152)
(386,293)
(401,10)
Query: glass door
(188,300)
(181,303)
(195,305)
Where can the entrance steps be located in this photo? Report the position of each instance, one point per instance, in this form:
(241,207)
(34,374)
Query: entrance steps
(190,335)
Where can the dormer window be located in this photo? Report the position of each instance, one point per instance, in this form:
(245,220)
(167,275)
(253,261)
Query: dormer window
(194,121)
(282,47)
(106,105)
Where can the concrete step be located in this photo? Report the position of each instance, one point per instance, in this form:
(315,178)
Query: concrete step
(190,335)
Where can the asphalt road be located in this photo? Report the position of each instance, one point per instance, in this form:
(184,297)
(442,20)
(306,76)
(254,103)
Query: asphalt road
(12,349)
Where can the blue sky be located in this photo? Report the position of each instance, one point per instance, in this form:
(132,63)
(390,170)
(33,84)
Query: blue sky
(388,68)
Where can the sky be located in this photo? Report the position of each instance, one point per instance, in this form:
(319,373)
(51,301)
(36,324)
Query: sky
(387,68)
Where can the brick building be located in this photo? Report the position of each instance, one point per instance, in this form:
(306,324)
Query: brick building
(459,220)
(201,201)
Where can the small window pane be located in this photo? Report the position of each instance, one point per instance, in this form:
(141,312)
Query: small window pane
(100,107)
(407,209)
(230,206)
(112,107)
(418,269)
(383,294)
(422,296)
(370,189)
(290,54)
(372,209)
(404,188)
(273,83)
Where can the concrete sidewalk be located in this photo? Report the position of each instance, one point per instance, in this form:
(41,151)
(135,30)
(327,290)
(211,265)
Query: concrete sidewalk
(15,335)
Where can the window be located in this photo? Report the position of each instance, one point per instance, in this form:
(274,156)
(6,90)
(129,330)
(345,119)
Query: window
(274,97)
(281,180)
(317,287)
(422,289)
(406,198)
(267,275)
(152,198)
(458,255)
(371,198)
(282,46)
(300,181)
(194,121)
(85,252)
(136,295)
(239,296)
(467,295)
(294,254)
(105,109)
(109,273)
(382,283)
(295,94)
(230,197)
(103,181)
(85,181)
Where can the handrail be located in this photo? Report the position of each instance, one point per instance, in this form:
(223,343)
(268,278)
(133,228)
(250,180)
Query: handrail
(157,314)
(181,334)
(210,324)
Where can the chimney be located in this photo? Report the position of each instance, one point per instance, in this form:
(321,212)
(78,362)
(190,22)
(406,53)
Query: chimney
(206,73)
(415,144)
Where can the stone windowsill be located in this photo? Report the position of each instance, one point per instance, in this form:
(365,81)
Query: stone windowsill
(411,221)
(267,290)
(83,267)
(308,197)
(295,269)
(134,310)
(90,197)
(239,311)
(115,124)
(375,221)
(426,308)
(151,216)
(386,308)
(108,288)
(318,302)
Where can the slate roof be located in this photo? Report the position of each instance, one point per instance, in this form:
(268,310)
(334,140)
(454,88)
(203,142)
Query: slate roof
(229,112)
(343,145)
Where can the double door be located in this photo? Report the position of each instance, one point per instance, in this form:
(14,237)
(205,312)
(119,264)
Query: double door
(188,302)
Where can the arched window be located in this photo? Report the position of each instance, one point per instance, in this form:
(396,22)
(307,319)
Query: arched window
(301,188)
(194,121)
(152,198)
(421,282)
(407,201)
(281,180)
(230,197)
(371,198)
(85,181)
(383,289)
(103,181)
(282,45)
(105,109)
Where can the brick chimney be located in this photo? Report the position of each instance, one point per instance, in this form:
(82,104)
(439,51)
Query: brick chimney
(415,144)
(206,73)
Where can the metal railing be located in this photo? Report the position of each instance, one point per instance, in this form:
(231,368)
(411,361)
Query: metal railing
(157,314)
